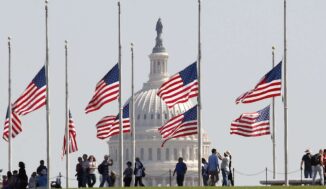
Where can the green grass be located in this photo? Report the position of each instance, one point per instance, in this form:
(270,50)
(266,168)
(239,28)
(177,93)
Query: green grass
(236,187)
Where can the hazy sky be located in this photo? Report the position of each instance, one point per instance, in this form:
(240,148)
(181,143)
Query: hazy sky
(237,36)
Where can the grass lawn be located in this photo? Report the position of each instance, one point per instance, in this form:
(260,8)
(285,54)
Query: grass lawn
(236,187)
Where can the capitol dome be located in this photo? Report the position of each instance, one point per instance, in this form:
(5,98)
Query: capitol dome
(150,114)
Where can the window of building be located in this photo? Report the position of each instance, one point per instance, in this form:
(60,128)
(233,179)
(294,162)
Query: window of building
(167,154)
(142,154)
(144,116)
(158,154)
(152,116)
(138,116)
(175,154)
(150,155)
(158,116)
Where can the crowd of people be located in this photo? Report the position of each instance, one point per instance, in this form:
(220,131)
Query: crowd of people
(210,170)
(86,167)
(19,179)
(313,164)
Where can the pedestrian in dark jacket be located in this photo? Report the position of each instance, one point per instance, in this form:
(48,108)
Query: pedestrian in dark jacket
(127,174)
(22,176)
(79,172)
(180,169)
(105,171)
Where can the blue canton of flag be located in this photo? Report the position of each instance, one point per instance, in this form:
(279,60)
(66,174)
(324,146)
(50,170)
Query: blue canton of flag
(180,126)
(181,87)
(109,125)
(34,96)
(107,90)
(269,86)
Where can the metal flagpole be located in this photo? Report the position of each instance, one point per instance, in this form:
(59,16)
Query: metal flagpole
(120,103)
(67,116)
(133,134)
(47,95)
(285,106)
(273,122)
(9,105)
(199,99)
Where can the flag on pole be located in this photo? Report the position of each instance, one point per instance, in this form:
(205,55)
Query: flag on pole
(72,138)
(34,96)
(269,86)
(181,87)
(15,125)
(107,90)
(109,125)
(252,124)
(180,126)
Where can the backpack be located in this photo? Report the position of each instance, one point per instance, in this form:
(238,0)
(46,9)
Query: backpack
(315,159)
(100,168)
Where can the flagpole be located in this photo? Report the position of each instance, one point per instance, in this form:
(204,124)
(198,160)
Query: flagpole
(120,102)
(285,106)
(199,97)
(9,106)
(273,122)
(67,116)
(133,134)
(47,95)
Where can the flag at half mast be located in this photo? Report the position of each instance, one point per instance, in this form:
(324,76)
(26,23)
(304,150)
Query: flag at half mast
(107,90)
(252,124)
(34,96)
(181,87)
(269,86)
(109,125)
(15,125)
(180,126)
(72,138)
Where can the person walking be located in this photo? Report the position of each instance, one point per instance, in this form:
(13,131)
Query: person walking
(180,169)
(104,170)
(306,161)
(225,169)
(22,176)
(317,166)
(127,174)
(204,171)
(230,168)
(85,170)
(91,172)
(213,167)
(139,172)
(79,172)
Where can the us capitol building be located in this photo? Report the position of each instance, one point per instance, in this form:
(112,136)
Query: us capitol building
(150,114)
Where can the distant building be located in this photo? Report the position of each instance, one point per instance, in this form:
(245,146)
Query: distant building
(150,113)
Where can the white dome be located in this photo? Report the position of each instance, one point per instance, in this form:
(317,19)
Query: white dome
(148,118)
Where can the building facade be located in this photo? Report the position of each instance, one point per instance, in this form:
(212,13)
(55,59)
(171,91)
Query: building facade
(150,114)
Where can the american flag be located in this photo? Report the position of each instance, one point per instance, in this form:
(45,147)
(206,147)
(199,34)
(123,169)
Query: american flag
(269,86)
(109,125)
(106,90)
(180,87)
(34,96)
(72,138)
(181,125)
(252,124)
(15,125)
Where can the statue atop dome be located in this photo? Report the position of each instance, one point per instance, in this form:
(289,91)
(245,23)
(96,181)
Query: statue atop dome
(159,42)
